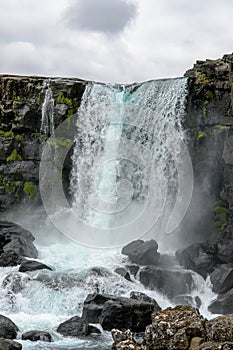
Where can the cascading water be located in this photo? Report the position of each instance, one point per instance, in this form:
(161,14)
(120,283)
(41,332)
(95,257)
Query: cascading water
(123,134)
(47,120)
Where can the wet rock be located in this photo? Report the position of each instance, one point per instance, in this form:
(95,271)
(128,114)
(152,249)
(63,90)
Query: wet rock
(169,281)
(124,340)
(36,336)
(142,253)
(15,243)
(143,297)
(111,311)
(220,329)
(31,265)
(8,329)
(199,257)
(7,344)
(76,327)
(222,278)
(123,272)
(225,244)
(187,300)
(174,328)
(223,304)
(133,269)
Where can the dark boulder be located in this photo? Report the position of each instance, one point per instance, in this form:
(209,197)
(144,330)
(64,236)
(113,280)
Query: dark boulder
(76,327)
(223,304)
(199,257)
(32,265)
(120,312)
(7,344)
(133,269)
(142,253)
(123,272)
(8,329)
(37,335)
(15,243)
(10,258)
(222,278)
(187,300)
(225,245)
(143,297)
(169,281)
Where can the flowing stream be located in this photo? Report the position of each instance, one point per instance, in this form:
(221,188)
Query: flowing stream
(126,154)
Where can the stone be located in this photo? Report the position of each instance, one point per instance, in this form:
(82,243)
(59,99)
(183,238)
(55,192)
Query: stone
(7,344)
(199,257)
(37,335)
(32,265)
(133,269)
(223,304)
(117,312)
(174,328)
(123,272)
(143,297)
(187,300)
(8,329)
(15,282)
(15,244)
(76,327)
(142,253)
(220,329)
(195,343)
(169,281)
(124,340)
(222,278)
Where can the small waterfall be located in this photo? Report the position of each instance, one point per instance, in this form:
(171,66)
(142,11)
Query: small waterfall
(127,149)
(47,120)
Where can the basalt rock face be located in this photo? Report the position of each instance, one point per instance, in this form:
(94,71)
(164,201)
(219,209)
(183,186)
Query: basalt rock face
(21,137)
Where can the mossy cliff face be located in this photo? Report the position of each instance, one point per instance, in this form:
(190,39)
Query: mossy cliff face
(209,122)
(21,141)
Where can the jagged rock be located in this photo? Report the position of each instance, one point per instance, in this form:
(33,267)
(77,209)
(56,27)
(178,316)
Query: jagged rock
(123,272)
(133,269)
(8,329)
(142,253)
(211,345)
(220,329)
(225,245)
(124,340)
(169,281)
(146,298)
(76,327)
(31,265)
(223,304)
(111,311)
(187,300)
(199,257)
(37,335)
(16,243)
(7,344)
(174,328)
(222,278)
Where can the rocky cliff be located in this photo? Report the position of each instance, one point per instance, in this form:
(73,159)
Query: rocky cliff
(209,125)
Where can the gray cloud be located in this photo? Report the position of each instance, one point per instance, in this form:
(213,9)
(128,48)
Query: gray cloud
(107,16)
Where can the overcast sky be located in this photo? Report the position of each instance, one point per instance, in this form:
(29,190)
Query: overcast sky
(112,40)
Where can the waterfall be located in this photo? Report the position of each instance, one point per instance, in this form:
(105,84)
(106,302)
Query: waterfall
(47,119)
(127,149)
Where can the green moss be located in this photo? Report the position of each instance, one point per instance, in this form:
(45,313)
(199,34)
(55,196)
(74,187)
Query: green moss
(209,95)
(30,189)
(64,100)
(201,134)
(19,137)
(202,79)
(220,214)
(14,156)
(223,128)
(7,134)
(39,98)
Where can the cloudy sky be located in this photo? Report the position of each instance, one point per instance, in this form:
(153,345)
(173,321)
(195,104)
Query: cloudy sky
(112,40)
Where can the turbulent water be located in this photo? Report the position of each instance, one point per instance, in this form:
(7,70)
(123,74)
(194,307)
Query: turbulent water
(124,179)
